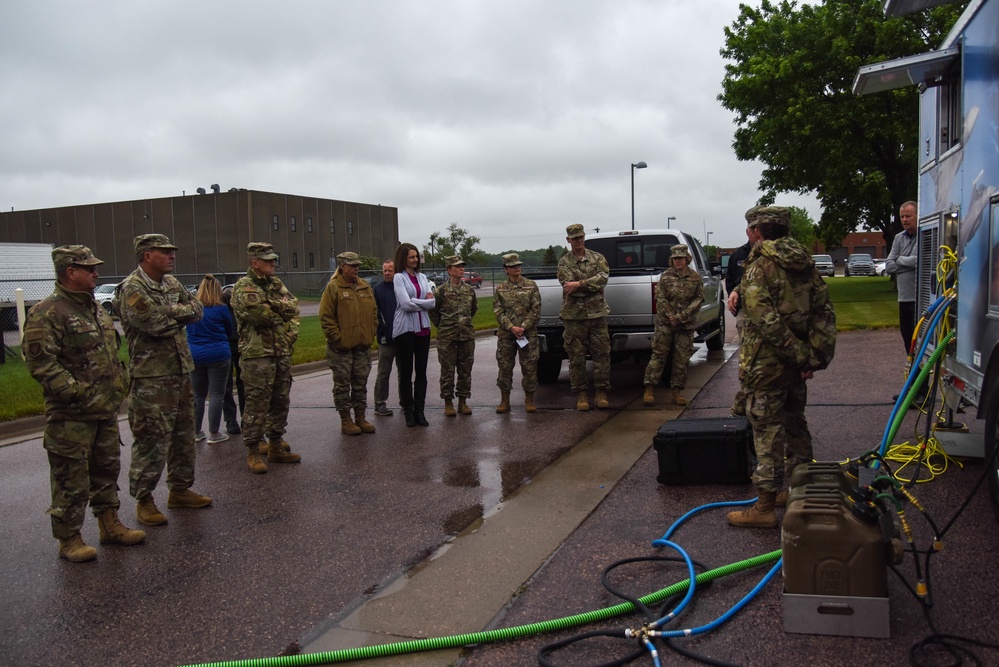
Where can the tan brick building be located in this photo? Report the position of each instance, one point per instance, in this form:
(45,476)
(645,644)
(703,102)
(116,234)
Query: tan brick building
(212,229)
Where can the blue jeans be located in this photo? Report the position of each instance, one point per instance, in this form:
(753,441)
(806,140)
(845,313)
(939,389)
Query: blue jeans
(209,380)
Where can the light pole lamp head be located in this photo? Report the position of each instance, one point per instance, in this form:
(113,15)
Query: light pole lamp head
(639,165)
(670,219)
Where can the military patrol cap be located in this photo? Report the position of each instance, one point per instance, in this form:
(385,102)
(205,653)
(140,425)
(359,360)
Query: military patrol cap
(679,250)
(453,260)
(258,250)
(348,258)
(574,231)
(512,259)
(778,215)
(145,242)
(70,255)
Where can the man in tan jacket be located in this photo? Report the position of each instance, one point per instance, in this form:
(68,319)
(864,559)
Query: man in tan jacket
(349,318)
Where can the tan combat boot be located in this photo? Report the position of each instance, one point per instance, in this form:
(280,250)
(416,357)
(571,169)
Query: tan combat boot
(449,408)
(463,406)
(504,405)
(361,422)
(582,404)
(257,466)
(529,402)
(187,499)
(760,515)
(601,399)
(75,550)
(146,512)
(277,454)
(113,531)
(347,426)
(649,398)
(262,447)
(781,499)
(679,398)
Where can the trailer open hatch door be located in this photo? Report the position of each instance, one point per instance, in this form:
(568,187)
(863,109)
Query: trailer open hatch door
(909,71)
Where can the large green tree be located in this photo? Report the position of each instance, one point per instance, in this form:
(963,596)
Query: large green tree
(789,80)
(454,241)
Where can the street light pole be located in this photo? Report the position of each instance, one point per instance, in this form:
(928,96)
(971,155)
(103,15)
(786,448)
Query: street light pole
(634,166)
(670,219)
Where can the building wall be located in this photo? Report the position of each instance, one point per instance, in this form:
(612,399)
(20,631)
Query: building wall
(212,230)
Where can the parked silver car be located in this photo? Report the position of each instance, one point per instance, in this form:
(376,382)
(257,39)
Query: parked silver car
(824,264)
(859,264)
(104,295)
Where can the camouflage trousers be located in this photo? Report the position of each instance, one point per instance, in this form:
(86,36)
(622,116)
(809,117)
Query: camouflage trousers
(582,337)
(507,352)
(739,404)
(351,369)
(83,467)
(161,416)
(679,342)
(268,397)
(456,358)
(780,433)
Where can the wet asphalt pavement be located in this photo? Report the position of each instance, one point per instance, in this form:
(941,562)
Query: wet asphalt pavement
(278,555)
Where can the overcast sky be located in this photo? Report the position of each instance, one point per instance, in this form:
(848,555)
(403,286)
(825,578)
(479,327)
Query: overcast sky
(512,119)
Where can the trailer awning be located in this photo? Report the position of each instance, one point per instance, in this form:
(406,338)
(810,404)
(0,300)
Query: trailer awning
(903,72)
(900,7)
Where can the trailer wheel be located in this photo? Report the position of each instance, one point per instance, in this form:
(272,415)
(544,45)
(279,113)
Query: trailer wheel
(992,444)
(549,368)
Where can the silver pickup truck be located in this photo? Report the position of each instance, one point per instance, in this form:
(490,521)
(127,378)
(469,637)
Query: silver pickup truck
(636,259)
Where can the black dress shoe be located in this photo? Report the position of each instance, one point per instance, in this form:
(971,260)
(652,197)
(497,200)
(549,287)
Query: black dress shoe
(410,418)
(420,418)
(233,428)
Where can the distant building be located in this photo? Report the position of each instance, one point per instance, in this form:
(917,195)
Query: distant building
(212,229)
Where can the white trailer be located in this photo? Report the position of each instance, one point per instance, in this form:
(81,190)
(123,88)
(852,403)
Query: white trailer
(27,266)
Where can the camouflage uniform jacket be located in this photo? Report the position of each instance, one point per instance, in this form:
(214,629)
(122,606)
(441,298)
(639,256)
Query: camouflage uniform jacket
(456,306)
(348,313)
(679,296)
(154,316)
(70,347)
(790,323)
(266,316)
(586,303)
(517,304)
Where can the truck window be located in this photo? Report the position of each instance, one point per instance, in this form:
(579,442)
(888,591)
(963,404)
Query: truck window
(635,253)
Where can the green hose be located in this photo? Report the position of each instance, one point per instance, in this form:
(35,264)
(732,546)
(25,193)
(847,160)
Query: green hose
(914,389)
(488,636)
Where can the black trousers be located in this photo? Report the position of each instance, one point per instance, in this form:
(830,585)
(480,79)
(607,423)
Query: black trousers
(907,322)
(411,353)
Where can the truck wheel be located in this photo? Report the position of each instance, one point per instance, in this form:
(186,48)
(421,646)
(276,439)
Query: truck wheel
(991,444)
(549,368)
(717,342)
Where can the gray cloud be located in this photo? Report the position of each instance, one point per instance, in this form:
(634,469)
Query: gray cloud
(512,119)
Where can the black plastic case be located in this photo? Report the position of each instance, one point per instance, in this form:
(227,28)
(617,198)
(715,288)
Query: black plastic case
(714,450)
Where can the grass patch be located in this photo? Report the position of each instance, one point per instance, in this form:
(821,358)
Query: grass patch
(864,303)
(22,395)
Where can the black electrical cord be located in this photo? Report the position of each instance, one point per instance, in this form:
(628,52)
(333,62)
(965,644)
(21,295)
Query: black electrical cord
(649,614)
(928,651)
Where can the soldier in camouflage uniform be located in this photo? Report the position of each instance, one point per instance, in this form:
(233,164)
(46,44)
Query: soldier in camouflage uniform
(154,309)
(679,296)
(456,306)
(789,333)
(517,306)
(583,274)
(70,347)
(267,319)
(349,317)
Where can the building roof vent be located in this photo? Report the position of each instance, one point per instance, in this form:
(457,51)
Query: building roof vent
(215,188)
(201,191)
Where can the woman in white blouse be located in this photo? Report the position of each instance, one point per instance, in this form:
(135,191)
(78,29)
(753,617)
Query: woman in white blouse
(411,332)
